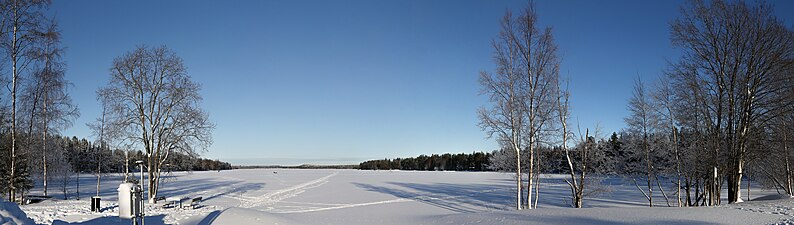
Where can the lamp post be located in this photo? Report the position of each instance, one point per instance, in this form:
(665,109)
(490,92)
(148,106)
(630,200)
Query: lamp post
(143,209)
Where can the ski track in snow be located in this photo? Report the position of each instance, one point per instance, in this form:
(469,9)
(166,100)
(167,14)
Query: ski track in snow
(270,199)
(305,209)
(274,197)
(340,206)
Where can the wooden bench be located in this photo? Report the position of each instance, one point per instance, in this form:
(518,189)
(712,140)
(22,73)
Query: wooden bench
(173,201)
(193,203)
(169,204)
(158,199)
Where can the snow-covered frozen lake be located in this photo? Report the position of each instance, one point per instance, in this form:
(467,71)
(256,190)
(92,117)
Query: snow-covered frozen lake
(295,196)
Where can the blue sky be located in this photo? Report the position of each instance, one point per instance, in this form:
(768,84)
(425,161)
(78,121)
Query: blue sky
(290,82)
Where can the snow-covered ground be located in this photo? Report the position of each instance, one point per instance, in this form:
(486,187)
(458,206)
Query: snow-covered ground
(292,196)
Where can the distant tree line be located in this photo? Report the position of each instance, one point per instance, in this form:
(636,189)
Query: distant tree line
(303,166)
(85,156)
(70,157)
(606,156)
(476,161)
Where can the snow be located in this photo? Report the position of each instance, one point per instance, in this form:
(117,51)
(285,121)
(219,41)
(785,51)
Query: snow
(10,214)
(295,196)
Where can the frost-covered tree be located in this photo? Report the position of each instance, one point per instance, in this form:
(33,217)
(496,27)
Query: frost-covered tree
(20,179)
(104,134)
(45,101)
(60,166)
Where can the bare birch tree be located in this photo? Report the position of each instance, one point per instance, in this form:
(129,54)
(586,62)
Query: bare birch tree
(57,110)
(663,97)
(156,106)
(539,67)
(641,122)
(578,169)
(521,90)
(563,112)
(774,167)
(505,118)
(737,53)
(100,129)
(21,19)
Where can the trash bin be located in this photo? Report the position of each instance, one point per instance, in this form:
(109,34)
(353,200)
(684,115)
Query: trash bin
(129,200)
(95,204)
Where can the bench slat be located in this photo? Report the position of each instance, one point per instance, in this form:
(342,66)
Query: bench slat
(193,202)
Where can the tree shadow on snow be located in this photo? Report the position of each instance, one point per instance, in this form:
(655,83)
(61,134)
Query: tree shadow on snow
(170,185)
(110,207)
(239,190)
(204,187)
(532,217)
(576,219)
(210,218)
(464,198)
(554,193)
(615,192)
(112,220)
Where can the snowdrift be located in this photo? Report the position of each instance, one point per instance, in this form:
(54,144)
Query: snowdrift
(10,214)
(236,215)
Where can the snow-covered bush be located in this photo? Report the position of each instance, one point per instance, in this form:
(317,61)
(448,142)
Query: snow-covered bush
(10,214)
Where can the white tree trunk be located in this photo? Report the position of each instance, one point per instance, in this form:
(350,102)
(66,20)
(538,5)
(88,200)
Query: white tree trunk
(518,179)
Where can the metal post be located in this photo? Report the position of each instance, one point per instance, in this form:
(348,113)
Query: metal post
(134,197)
(143,209)
(142,186)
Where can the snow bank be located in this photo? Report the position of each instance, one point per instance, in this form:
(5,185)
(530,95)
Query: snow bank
(10,214)
(609,216)
(772,197)
(236,215)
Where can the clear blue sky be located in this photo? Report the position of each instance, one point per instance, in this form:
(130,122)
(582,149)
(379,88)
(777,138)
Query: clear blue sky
(291,82)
